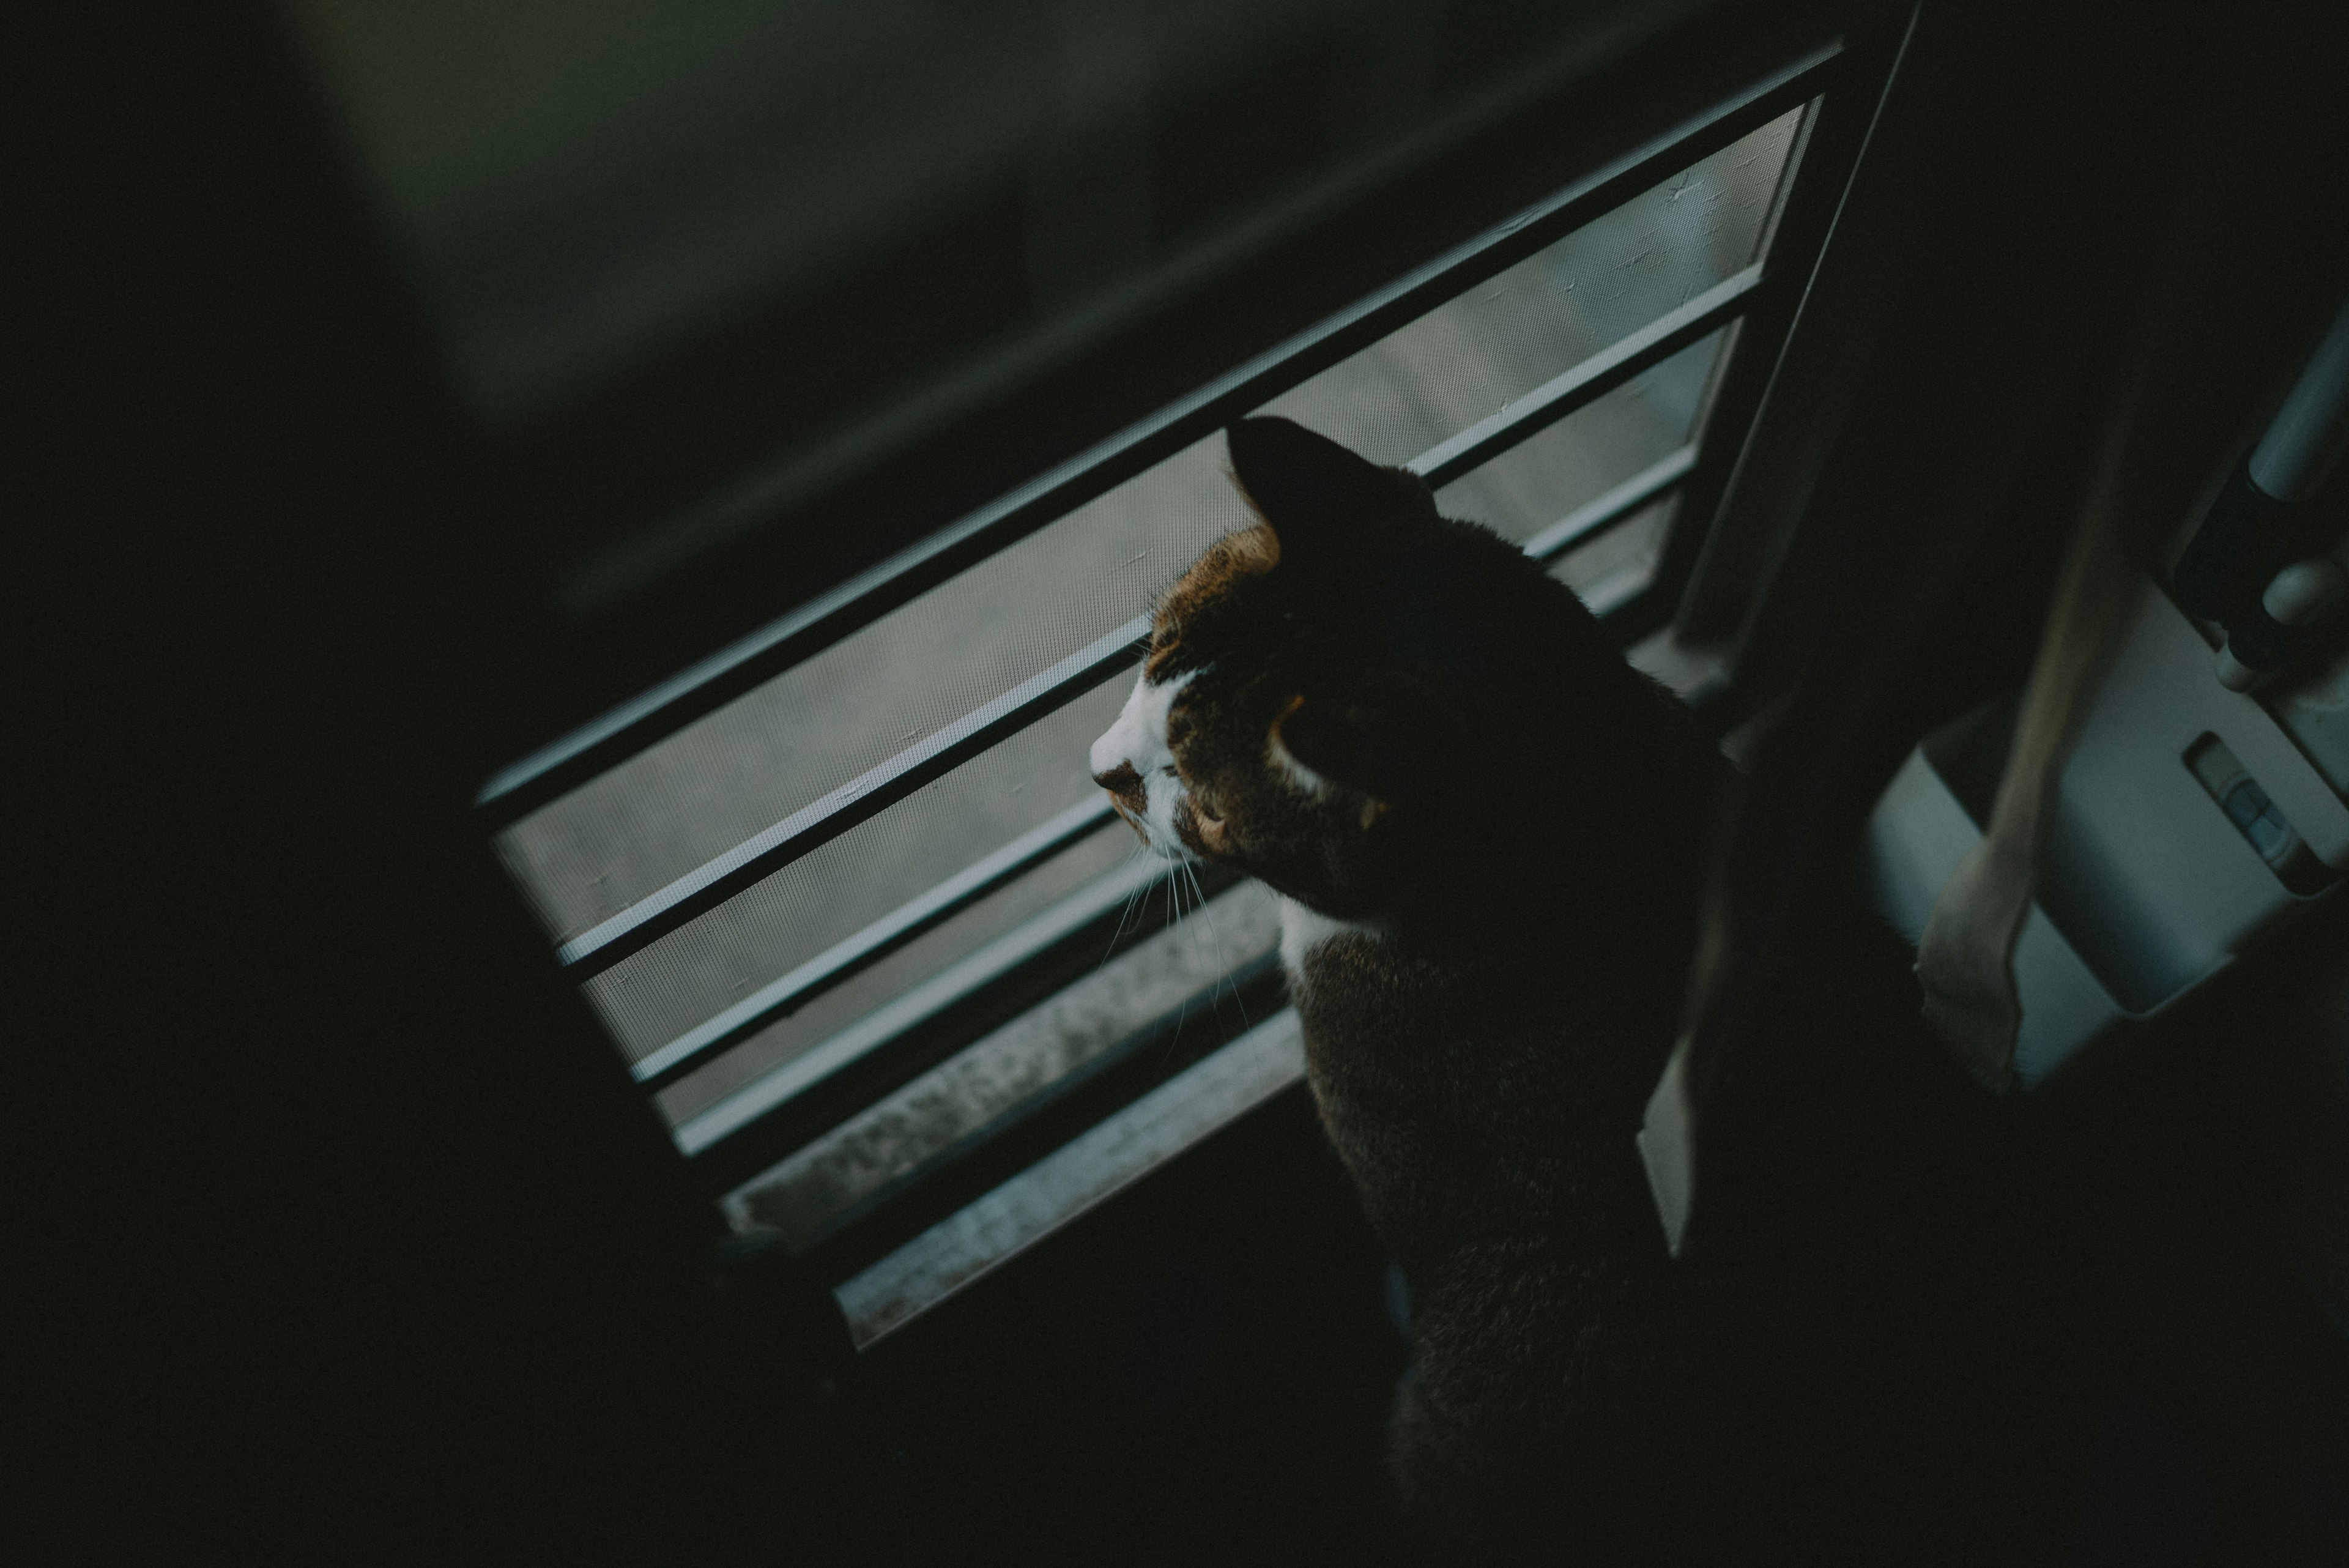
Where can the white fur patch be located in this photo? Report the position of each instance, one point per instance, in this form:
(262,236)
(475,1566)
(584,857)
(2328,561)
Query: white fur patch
(1303,929)
(1138,739)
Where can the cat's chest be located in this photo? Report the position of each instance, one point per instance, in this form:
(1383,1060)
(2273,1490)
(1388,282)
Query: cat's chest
(1425,1041)
(1450,1082)
(1304,930)
(1386,1019)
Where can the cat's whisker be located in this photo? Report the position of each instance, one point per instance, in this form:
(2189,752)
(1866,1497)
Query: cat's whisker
(1214,940)
(1174,914)
(1126,914)
(1167,883)
(1223,955)
(1187,880)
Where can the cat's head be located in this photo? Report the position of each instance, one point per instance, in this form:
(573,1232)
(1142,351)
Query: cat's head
(1357,689)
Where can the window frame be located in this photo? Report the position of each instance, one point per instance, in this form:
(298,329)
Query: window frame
(1842,77)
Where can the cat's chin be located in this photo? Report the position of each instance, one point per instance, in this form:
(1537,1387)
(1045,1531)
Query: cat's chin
(1175,850)
(1159,841)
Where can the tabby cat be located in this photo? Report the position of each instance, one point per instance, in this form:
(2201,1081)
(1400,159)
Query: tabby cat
(1484,829)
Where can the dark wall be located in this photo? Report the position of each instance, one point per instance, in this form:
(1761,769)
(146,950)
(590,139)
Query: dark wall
(367,1242)
(351,1231)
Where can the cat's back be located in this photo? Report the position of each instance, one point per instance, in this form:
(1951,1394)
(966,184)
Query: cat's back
(1860,1335)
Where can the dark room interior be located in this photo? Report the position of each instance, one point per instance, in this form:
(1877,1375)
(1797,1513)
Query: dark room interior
(580,997)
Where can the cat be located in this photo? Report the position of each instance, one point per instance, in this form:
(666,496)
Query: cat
(1484,829)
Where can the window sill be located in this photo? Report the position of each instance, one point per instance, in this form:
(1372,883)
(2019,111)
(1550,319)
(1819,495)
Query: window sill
(974,1241)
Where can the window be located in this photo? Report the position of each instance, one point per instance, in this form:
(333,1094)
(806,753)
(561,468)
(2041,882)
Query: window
(865,931)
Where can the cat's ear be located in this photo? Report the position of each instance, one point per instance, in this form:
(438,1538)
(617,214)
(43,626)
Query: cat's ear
(1318,497)
(1381,750)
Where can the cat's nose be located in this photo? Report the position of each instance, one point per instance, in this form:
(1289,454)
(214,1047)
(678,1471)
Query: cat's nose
(1123,782)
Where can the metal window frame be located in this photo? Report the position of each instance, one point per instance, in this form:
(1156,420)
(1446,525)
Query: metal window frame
(1755,305)
(563,764)
(776,1113)
(855,953)
(719,878)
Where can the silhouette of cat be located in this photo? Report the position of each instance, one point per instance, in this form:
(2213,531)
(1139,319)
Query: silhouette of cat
(1484,829)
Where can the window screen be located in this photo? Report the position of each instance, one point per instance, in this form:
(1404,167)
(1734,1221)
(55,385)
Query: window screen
(871,909)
